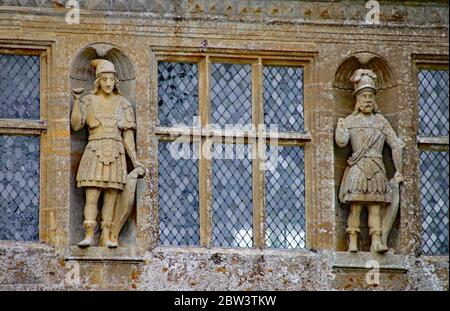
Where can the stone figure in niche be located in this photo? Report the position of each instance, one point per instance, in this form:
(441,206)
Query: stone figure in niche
(365,182)
(110,120)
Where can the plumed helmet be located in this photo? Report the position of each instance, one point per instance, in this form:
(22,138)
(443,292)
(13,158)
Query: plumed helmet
(103,66)
(363,79)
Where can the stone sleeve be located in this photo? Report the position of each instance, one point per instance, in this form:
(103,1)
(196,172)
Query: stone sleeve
(395,143)
(342,136)
(127,119)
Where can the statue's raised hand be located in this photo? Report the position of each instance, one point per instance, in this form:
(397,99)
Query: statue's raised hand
(76,93)
(341,124)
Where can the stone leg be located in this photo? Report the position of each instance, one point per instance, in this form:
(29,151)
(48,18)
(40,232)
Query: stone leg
(90,216)
(375,228)
(353,224)
(109,201)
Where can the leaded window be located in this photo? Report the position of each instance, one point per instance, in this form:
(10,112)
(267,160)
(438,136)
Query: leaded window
(20,127)
(231,158)
(433,132)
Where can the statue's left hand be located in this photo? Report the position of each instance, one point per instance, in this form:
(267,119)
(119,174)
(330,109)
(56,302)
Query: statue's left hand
(140,168)
(398,177)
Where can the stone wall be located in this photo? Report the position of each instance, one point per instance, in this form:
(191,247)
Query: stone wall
(326,33)
(39,267)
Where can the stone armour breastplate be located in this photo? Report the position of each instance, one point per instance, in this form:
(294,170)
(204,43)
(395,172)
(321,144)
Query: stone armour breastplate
(105,137)
(362,131)
(105,125)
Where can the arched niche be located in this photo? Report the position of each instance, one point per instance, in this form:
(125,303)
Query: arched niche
(387,101)
(82,75)
(386,78)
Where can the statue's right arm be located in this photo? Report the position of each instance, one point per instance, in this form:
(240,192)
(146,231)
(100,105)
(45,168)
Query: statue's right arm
(77,118)
(342,135)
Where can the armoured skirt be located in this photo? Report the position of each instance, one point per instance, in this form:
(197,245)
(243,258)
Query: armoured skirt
(103,165)
(365,181)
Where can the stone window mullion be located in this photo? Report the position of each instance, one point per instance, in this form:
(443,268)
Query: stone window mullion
(205,159)
(258,153)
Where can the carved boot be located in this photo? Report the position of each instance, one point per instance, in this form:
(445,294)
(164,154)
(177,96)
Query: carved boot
(114,240)
(353,240)
(377,246)
(89,227)
(105,238)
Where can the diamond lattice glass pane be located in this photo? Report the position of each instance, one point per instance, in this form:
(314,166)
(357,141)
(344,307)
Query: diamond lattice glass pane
(283,98)
(19,87)
(285,198)
(232,195)
(19,188)
(178,193)
(433,102)
(231,95)
(434,180)
(178,93)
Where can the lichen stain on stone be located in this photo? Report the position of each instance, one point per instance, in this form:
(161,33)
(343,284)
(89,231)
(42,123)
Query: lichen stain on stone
(216,259)
(135,274)
(221,270)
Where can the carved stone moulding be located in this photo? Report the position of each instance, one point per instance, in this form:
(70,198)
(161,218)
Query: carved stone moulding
(309,10)
(386,77)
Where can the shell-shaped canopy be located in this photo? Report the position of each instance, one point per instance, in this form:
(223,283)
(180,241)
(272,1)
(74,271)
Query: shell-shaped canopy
(82,69)
(386,78)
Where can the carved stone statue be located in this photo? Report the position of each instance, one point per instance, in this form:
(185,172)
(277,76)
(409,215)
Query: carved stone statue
(364,182)
(111,124)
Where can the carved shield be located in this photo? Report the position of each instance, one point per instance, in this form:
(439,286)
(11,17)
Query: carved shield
(124,205)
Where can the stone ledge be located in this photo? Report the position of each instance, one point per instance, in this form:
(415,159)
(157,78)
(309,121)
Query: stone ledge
(232,251)
(346,262)
(438,259)
(15,246)
(125,254)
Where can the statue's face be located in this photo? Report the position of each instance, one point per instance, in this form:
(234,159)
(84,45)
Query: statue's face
(107,81)
(366,100)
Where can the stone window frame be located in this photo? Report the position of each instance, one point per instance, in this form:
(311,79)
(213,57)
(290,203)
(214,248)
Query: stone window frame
(425,143)
(206,135)
(39,127)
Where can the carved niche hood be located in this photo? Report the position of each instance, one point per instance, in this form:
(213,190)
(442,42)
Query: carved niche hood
(82,69)
(386,78)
